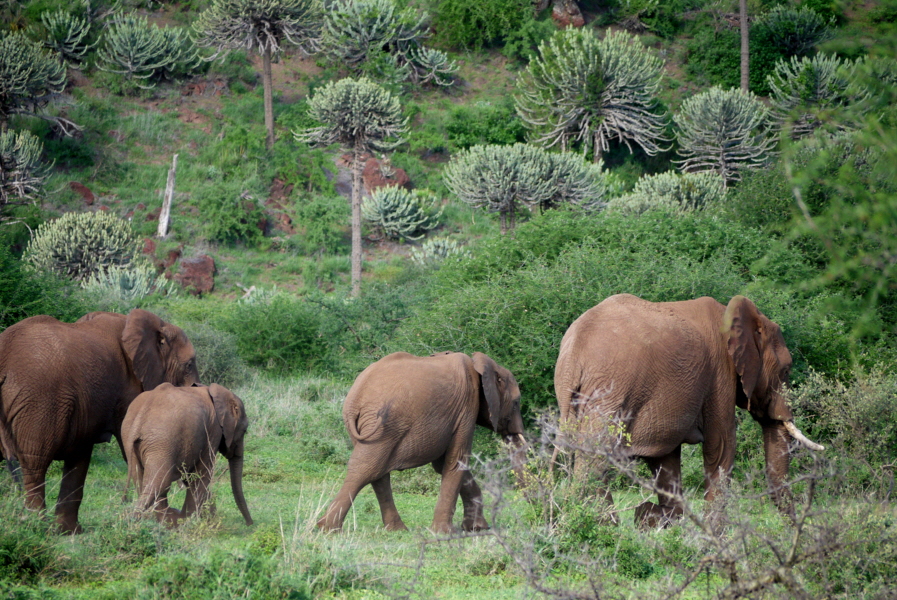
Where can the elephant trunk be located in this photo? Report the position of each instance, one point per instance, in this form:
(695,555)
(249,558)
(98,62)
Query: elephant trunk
(778,459)
(236,484)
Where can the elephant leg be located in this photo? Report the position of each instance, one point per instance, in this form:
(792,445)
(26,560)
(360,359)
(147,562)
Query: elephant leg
(154,495)
(358,475)
(198,488)
(389,512)
(471,499)
(668,479)
(454,467)
(71,492)
(34,473)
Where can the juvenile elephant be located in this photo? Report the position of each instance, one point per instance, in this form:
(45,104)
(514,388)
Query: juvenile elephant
(674,373)
(405,411)
(66,386)
(172,433)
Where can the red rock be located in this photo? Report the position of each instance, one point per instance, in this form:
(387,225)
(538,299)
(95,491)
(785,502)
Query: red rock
(196,274)
(149,246)
(84,191)
(566,13)
(373,178)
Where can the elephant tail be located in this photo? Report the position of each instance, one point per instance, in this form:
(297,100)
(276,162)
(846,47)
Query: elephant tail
(135,468)
(8,446)
(371,435)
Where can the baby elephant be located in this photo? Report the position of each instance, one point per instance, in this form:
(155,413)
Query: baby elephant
(172,433)
(405,411)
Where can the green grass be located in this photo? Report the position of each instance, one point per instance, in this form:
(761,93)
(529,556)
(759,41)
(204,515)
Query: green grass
(295,461)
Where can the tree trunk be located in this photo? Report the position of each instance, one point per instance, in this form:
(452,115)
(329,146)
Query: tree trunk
(268,85)
(356,221)
(165,215)
(745,47)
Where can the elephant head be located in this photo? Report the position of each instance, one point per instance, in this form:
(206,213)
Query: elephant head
(763,364)
(231,416)
(158,351)
(500,406)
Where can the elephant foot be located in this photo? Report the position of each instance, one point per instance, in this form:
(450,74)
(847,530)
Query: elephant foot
(651,516)
(395,526)
(442,528)
(478,524)
(68,528)
(328,527)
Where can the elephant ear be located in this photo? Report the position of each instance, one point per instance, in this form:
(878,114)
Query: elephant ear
(227,412)
(488,371)
(742,321)
(142,340)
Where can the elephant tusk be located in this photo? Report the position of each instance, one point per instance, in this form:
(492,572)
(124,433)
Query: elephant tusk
(796,434)
(522,439)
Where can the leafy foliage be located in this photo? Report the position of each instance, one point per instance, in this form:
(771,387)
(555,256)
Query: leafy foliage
(586,91)
(322,224)
(504,179)
(29,77)
(402,214)
(477,24)
(22,170)
(484,123)
(139,51)
(77,245)
(678,192)
(230,212)
(723,131)
(805,91)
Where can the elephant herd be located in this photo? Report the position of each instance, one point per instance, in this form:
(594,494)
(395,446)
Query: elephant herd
(669,372)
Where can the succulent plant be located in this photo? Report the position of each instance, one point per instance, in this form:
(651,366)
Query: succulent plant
(401,214)
(679,192)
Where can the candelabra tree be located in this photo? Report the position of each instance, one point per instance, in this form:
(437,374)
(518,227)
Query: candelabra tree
(262,26)
(725,131)
(22,172)
(805,91)
(586,91)
(360,116)
(65,34)
(29,79)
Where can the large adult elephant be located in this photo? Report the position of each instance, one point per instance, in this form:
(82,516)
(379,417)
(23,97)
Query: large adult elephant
(674,372)
(66,386)
(173,433)
(404,411)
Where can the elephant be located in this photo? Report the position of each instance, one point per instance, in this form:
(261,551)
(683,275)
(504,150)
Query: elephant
(66,386)
(673,373)
(172,433)
(404,411)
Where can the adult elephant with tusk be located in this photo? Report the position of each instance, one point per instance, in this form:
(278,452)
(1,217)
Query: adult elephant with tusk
(405,411)
(673,373)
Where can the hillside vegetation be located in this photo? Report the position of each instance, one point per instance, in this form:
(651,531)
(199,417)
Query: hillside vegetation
(541,170)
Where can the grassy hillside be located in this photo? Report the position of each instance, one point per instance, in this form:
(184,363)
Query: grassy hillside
(810,238)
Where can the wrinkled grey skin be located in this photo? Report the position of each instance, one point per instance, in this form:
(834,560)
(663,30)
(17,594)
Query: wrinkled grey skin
(674,373)
(173,433)
(405,411)
(66,386)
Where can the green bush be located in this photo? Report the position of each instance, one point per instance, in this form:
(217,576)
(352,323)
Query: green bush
(476,24)
(275,331)
(77,245)
(217,355)
(27,548)
(230,211)
(521,44)
(24,293)
(485,123)
(322,225)
(678,192)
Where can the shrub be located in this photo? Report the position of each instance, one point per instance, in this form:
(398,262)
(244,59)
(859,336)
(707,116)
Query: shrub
(27,548)
(24,293)
(275,332)
(484,123)
(402,214)
(678,192)
(217,355)
(65,35)
(230,212)
(522,44)
(477,24)
(78,245)
(322,225)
